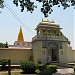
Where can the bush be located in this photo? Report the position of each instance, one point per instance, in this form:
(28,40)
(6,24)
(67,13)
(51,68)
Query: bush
(52,68)
(74,68)
(3,63)
(28,67)
(45,72)
(41,67)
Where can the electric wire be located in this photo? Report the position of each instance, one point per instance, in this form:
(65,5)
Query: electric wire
(17,17)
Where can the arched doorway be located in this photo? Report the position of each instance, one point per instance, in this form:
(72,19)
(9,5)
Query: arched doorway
(53,53)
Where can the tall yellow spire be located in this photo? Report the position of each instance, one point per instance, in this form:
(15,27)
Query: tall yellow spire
(20,36)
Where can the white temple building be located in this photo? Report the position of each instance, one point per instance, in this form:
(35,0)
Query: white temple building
(48,45)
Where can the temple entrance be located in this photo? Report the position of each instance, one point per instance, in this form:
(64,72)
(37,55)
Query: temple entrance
(54,55)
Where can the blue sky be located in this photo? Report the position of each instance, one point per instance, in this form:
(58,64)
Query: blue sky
(9,25)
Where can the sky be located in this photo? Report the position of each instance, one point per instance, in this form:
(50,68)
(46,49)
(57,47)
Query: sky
(10,24)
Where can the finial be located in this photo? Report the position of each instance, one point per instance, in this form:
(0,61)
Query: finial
(45,20)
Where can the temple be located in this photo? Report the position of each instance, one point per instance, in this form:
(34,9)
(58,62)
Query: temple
(20,43)
(48,45)
(52,45)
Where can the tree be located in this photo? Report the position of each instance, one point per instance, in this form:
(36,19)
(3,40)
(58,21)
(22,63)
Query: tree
(46,5)
(1,45)
(4,45)
(1,3)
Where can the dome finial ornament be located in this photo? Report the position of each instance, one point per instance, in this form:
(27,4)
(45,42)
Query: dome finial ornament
(45,20)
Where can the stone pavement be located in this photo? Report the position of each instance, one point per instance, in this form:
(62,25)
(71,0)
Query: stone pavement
(65,71)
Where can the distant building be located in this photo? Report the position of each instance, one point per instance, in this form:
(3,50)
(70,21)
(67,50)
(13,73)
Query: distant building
(20,43)
(48,45)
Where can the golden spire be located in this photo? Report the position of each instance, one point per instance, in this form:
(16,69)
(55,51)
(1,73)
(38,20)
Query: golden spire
(20,36)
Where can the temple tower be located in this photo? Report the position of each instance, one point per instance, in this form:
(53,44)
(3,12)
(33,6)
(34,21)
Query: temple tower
(47,41)
(20,36)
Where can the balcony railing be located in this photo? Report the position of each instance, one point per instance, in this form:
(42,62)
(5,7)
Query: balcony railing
(48,37)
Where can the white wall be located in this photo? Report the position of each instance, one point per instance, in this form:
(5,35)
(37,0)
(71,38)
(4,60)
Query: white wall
(38,52)
(63,57)
(68,54)
(16,55)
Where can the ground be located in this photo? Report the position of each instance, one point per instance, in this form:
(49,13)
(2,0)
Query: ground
(64,71)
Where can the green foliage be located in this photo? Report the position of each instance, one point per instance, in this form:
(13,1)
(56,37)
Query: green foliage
(45,72)
(29,5)
(37,71)
(3,63)
(4,45)
(28,67)
(47,69)
(46,5)
(41,67)
(52,68)
(74,68)
(1,3)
